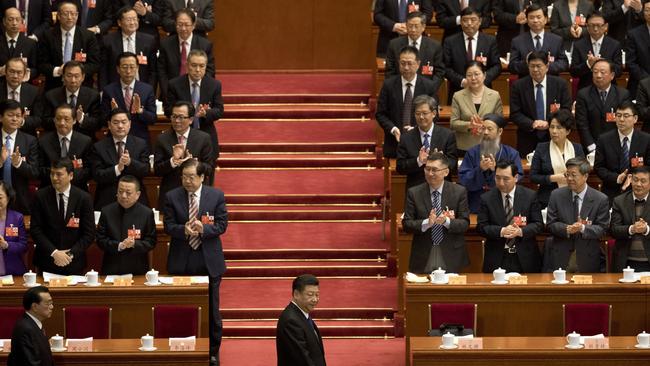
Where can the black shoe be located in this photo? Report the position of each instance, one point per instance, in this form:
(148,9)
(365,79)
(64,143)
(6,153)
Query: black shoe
(214,361)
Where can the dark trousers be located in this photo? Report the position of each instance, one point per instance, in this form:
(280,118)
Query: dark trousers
(510,262)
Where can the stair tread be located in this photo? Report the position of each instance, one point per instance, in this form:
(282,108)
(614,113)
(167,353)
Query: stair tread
(306,264)
(304,208)
(321,323)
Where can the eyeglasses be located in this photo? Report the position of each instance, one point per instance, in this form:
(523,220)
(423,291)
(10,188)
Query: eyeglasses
(595,26)
(572,175)
(422,114)
(433,170)
(407,63)
(128,67)
(68,14)
(473,75)
(178,117)
(624,115)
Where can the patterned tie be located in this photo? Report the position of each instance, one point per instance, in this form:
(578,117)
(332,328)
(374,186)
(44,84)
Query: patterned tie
(470,53)
(195,241)
(6,168)
(67,48)
(576,207)
(127,98)
(14,96)
(408,106)
(625,162)
(437,230)
(183,69)
(120,149)
(538,43)
(73,102)
(603,96)
(196,97)
(129,44)
(596,48)
(426,143)
(509,215)
(64,147)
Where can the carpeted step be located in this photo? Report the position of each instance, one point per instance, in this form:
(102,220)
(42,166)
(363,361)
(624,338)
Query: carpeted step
(297,110)
(270,83)
(327,328)
(293,160)
(295,98)
(304,253)
(304,212)
(322,268)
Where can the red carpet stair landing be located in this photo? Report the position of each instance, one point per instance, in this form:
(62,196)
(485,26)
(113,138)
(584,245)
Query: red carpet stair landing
(304,189)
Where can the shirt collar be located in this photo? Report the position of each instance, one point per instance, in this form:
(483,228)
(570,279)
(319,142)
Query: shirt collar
(621,137)
(580,194)
(68,93)
(606,90)
(186,134)
(430,132)
(192,82)
(511,193)
(124,37)
(540,34)
(644,198)
(431,190)
(188,40)
(66,193)
(9,90)
(418,41)
(68,136)
(9,38)
(197,193)
(38,322)
(543,82)
(299,308)
(474,37)
(600,40)
(13,136)
(404,81)
(132,85)
(63,32)
(115,141)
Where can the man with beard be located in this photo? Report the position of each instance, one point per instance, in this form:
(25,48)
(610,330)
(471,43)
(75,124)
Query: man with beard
(477,170)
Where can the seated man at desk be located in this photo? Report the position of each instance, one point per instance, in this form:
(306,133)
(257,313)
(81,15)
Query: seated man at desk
(436,213)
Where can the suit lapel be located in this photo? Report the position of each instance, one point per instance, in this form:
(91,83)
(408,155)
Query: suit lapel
(72,204)
(497,201)
(587,204)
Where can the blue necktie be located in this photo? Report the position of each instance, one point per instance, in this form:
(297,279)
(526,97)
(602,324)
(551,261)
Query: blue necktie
(425,144)
(195,100)
(6,168)
(625,163)
(402,11)
(437,230)
(540,108)
(67,48)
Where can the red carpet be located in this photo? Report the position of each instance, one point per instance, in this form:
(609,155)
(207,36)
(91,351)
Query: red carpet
(296,83)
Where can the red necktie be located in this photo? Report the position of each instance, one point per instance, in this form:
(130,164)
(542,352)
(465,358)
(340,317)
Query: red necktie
(183,69)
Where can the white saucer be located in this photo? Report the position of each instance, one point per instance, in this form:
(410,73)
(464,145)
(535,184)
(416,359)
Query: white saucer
(440,283)
(574,347)
(560,282)
(445,347)
(153,284)
(59,349)
(495,282)
(641,347)
(34,285)
(623,280)
(95,285)
(147,349)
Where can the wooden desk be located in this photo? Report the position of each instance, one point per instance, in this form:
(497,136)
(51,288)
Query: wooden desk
(125,352)
(131,305)
(524,351)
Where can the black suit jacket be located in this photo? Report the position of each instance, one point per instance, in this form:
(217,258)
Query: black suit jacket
(643,103)
(430,54)
(25,47)
(32,102)
(176,211)
(561,20)
(198,144)
(169,59)
(523,111)
(204,10)
(210,93)
(297,343)
(145,44)
(610,49)
(638,56)
(390,105)
(620,22)
(39,15)
(149,22)
(492,218)
(409,146)
(139,121)
(27,171)
(79,147)
(29,345)
(102,15)
(523,44)
(50,231)
(386,14)
(87,98)
(50,54)
(447,11)
(541,169)
(103,160)
(455,57)
(590,112)
(623,215)
(114,223)
(505,16)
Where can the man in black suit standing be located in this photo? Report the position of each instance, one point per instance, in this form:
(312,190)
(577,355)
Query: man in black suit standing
(469,45)
(448,14)
(15,44)
(179,144)
(638,52)
(297,338)
(29,345)
(204,10)
(510,219)
(437,214)
(195,219)
(596,104)
(117,155)
(621,150)
(172,57)
(19,154)
(533,99)
(149,14)
(24,93)
(643,103)
(37,15)
(429,50)
(510,17)
(588,50)
(63,223)
(390,16)
(416,144)
(126,231)
(66,42)
(203,91)
(537,39)
(622,15)
(95,15)
(395,102)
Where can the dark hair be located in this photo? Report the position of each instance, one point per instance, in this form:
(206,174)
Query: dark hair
(182,103)
(644,169)
(124,55)
(61,3)
(469,11)
(130,179)
(565,118)
(628,104)
(19,60)
(537,55)
(581,163)
(505,164)
(33,296)
(438,156)
(535,7)
(302,281)
(410,49)
(419,15)
(187,11)
(477,64)
(9,105)
(428,100)
(64,106)
(596,14)
(63,163)
(608,62)
(201,168)
(116,111)
(11,194)
(73,63)
(123,10)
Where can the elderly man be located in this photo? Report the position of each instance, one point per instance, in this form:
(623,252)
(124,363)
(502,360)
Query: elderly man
(24,93)
(390,16)
(477,171)
(638,52)
(29,344)
(14,44)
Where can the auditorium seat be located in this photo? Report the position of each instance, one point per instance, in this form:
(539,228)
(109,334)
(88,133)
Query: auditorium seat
(176,321)
(87,321)
(464,314)
(587,319)
(8,317)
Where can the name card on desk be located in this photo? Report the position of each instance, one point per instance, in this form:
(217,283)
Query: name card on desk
(583,279)
(182,344)
(58,282)
(518,280)
(596,343)
(645,280)
(181,281)
(458,280)
(470,343)
(122,281)
(5,345)
(80,345)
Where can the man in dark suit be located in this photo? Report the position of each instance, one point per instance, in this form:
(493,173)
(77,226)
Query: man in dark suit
(204,10)
(126,231)
(587,50)
(65,143)
(510,17)
(510,219)
(37,15)
(629,225)
(95,15)
(66,42)
(619,151)
(390,16)
(459,50)
(129,39)
(596,104)
(179,144)
(578,217)
(19,154)
(203,91)
(297,338)
(195,218)
(533,99)
(83,99)
(449,13)
(638,52)
(537,40)
(117,155)
(63,223)
(15,44)
(437,214)
(29,344)
(24,93)
(149,14)
(172,58)
(429,50)
(395,102)
(622,15)
(129,94)
(643,103)
(416,144)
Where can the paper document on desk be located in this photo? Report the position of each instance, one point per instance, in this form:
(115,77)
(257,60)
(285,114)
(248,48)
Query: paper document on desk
(72,280)
(7,280)
(111,278)
(582,339)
